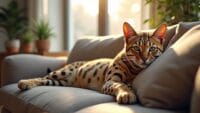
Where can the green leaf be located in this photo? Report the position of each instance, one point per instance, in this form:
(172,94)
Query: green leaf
(12,20)
(42,29)
(174,11)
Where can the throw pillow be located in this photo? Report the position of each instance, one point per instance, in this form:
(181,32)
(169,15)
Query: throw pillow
(168,82)
(196,94)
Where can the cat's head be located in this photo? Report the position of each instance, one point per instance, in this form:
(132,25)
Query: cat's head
(142,49)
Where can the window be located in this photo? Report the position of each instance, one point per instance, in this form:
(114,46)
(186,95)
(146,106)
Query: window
(85,14)
(84,17)
(124,10)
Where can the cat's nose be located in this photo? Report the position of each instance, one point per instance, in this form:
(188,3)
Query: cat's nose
(144,59)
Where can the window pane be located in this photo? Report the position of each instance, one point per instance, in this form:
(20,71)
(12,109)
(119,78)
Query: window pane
(124,10)
(84,17)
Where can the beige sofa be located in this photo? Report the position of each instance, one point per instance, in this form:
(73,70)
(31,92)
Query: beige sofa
(166,86)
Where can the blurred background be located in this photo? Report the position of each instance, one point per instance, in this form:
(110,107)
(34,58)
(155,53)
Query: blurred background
(72,19)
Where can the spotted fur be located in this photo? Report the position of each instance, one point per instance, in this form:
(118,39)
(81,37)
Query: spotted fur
(109,76)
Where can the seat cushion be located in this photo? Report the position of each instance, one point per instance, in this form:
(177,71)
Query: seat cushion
(168,82)
(49,99)
(116,108)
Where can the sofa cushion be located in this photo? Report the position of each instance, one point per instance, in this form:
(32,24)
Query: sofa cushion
(196,95)
(116,108)
(89,48)
(49,99)
(24,66)
(168,82)
(182,28)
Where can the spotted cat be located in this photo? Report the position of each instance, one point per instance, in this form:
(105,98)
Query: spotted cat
(109,76)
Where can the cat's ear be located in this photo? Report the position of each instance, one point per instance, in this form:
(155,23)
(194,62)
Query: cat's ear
(160,32)
(128,31)
(49,70)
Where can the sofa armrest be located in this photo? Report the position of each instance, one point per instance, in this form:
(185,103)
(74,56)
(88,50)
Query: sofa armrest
(26,66)
(195,103)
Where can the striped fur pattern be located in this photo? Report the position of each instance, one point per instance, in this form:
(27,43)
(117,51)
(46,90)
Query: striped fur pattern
(109,76)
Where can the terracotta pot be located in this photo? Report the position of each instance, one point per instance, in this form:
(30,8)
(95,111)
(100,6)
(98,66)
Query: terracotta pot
(42,45)
(26,47)
(12,46)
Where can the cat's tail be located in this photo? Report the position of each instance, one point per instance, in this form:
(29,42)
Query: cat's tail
(53,82)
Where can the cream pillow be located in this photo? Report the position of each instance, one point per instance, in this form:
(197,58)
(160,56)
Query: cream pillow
(168,82)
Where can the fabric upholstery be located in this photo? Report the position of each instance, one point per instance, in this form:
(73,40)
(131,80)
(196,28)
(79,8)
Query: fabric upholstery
(90,48)
(116,108)
(196,94)
(10,102)
(50,99)
(182,28)
(168,82)
(25,66)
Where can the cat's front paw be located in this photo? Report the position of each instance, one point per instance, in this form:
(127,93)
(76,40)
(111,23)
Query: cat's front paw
(25,84)
(126,98)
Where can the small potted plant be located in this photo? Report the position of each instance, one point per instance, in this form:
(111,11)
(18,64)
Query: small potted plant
(13,24)
(27,42)
(43,33)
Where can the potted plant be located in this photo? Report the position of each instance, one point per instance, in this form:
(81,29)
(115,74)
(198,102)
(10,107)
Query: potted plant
(43,33)
(174,11)
(13,24)
(26,42)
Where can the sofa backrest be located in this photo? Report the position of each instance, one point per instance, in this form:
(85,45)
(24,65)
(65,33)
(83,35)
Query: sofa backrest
(89,48)
(182,27)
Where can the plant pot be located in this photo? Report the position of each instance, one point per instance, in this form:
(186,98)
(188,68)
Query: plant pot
(42,45)
(12,46)
(26,47)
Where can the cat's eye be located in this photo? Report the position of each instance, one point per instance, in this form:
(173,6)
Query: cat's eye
(136,48)
(152,49)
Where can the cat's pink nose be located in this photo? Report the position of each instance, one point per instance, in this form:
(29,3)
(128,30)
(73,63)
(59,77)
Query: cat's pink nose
(144,59)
